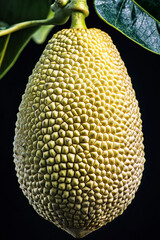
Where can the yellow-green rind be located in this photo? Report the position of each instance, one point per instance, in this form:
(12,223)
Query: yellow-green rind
(78,147)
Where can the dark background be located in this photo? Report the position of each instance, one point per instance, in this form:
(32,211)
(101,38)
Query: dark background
(141,219)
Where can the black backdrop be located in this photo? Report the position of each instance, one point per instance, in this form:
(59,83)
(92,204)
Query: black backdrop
(18,219)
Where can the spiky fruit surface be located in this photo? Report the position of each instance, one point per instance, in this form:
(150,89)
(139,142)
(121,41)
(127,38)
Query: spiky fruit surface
(78,145)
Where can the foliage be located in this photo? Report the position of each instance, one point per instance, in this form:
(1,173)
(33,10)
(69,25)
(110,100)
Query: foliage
(14,12)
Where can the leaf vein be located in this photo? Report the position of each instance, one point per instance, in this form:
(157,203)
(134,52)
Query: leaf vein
(4,49)
(119,12)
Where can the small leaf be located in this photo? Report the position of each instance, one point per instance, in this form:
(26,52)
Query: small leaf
(41,34)
(15,45)
(14,12)
(132,21)
(152,7)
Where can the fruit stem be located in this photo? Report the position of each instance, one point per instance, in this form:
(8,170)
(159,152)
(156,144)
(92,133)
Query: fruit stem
(79,13)
(78,20)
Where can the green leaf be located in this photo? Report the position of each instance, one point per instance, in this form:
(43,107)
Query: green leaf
(14,12)
(41,34)
(151,7)
(132,21)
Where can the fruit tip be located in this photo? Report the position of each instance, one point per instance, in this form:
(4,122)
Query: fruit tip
(77,233)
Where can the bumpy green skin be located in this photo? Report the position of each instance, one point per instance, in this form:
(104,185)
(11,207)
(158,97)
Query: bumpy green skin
(78,145)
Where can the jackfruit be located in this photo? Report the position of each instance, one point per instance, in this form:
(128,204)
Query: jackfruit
(78,146)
